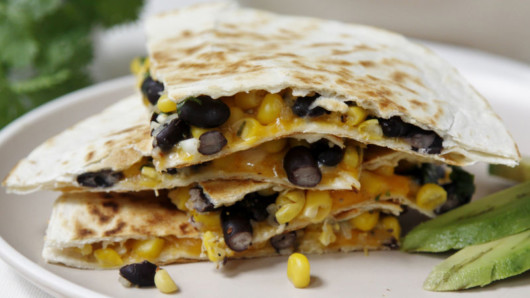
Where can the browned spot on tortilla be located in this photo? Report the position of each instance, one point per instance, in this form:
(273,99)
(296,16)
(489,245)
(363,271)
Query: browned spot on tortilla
(213,56)
(186,33)
(89,156)
(303,79)
(228,25)
(192,50)
(240,35)
(395,61)
(119,227)
(367,63)
(112,205)
(81,231)
(337,62)
(130,129)
(363,47)
(186,228)
(325,44)
(340,52)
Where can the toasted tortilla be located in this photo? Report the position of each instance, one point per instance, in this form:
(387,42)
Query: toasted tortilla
(120,143)
(96,220)
(219,50)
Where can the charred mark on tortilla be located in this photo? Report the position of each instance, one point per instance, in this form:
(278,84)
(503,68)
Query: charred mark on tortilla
(424,141)
(199,201)
(237,230)
(211,142)
(138,274)
(152,89)
(284,241)
(301,167)
(101,179)
(170,134)
(327,153)
(302,104)
(203,112)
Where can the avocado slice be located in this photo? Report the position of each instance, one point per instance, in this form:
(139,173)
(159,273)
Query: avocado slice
(479,265)
(495,216)
(520,173)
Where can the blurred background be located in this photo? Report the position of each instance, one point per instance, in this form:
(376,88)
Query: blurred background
(53,47)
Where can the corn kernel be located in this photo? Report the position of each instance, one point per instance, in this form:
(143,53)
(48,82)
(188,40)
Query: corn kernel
(148,249)
(166,105)
(317,205)
(327,235)
(136,65)
(236,114)
(431,196)
(85,250)
(365,221)
(248,100)
(208,220)
(298,270)
(249,129)
(289,205)
(196,132)
(164,283)
(180,197)
(355,115)
(372,184)
(270,109)
(371,130)
(214,247)
(391,224)
(108,257)
(275,146)
(150,172)
(385,170)
(351,158)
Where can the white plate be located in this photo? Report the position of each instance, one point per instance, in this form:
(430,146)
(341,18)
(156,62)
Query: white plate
(381,274)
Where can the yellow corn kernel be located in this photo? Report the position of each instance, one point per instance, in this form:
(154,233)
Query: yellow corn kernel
(351,157)
(180,197)
(385,170)
(136,65)
(327,235)
(148,249)
(150,172)
(391,224)
(355,115)
(289,205)
(431,196)
(275,146)
(108,257)
(317,205)
(248,100)
(365,221)
(208,220)
(371,130)
(166,105)
(372,184)
(236,114)
(298,270)
(214,247)
(85,250)
(196,132)
(164,283)
(249,129)
(270,109)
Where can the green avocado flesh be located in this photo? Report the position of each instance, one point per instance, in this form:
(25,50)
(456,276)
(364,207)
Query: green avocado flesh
(519,173)
(495,216)
(479,265)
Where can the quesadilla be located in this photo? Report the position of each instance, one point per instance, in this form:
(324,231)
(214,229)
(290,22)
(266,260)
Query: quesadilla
(252,77)
(108,230)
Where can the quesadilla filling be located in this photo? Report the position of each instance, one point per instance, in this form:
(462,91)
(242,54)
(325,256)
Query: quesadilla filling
(206,126)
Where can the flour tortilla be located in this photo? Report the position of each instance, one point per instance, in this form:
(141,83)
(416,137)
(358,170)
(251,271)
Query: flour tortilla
(220,49)
(118,141)
(96,219)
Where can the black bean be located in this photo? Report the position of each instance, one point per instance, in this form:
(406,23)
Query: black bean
(203,111)
(301,168)
(394,127)
(211,142)
(170,134)
(302,104)
(326,155)
(283,241)
(237,230)
(436,146)
(140,274)
(171,171)
(101,179)
(200,201)
(152,89)
(256,205)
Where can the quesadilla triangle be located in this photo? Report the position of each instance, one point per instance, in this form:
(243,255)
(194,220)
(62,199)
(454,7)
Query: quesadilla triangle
(111,151)
(108,230)
(240,77)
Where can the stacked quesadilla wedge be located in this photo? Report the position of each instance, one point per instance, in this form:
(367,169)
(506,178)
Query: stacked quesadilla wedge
(268,134)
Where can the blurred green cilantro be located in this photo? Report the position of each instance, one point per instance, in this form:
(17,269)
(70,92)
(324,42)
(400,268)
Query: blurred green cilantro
(45,47)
